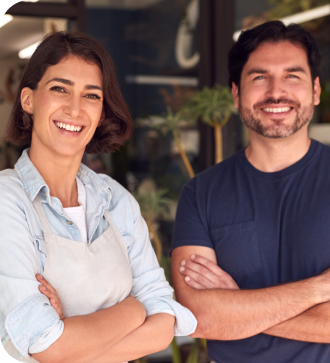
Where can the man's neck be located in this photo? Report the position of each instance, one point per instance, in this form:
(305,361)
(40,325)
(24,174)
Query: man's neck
(271,155)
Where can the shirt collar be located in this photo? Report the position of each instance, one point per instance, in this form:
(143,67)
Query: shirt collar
(29,175)
(33,181)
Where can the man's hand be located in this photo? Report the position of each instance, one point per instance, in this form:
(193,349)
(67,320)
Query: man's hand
(201,273)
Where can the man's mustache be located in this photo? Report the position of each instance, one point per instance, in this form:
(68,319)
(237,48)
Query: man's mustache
(276,101)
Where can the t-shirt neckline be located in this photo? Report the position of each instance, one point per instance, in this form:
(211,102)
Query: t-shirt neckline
(292,169)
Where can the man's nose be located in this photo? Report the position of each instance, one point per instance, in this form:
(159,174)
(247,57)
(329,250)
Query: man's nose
(74,106)
(276,88)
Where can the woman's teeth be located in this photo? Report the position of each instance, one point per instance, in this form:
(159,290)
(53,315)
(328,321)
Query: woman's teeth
(277,110)
(67,127)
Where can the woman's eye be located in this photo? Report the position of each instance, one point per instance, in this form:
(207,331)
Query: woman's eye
(58,89)
(93,96)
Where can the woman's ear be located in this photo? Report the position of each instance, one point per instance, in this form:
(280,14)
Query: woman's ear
(27,100)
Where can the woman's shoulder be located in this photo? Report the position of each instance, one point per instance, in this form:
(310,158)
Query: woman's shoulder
(119,194)
(9,181)
(118,191)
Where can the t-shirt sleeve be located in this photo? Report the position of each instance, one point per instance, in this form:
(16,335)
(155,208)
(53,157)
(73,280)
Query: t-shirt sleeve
(190,224)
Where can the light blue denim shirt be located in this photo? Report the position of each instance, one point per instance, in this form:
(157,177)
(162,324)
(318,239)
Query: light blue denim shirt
(26,316)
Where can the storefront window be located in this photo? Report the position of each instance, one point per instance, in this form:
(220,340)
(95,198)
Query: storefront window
(155,77)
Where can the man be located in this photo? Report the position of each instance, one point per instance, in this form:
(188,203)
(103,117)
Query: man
(251,245)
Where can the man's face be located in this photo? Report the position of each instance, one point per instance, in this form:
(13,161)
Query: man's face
(277,95)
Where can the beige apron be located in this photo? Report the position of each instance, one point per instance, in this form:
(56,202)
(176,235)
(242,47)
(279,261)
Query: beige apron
(87,278)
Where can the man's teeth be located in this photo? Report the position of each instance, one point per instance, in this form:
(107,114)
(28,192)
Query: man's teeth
(277,109)
(62,125)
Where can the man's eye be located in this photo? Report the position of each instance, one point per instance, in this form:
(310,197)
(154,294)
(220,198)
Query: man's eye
(259,78)
(292,76)
(58,89)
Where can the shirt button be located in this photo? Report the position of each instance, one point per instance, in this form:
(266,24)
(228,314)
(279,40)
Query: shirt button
(69,223)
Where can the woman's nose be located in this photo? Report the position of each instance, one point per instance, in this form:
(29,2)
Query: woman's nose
(74,107)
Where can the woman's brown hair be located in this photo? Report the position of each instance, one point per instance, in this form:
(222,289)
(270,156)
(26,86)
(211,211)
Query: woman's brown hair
(117,125)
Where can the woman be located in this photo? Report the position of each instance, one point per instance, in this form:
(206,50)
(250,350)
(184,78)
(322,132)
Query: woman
(82,231)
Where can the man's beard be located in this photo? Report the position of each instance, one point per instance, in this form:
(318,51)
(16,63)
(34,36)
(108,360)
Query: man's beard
(277,129)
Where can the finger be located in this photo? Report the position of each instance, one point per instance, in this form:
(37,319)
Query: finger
(45,291)
(208,264)
(196,267)
(57,306)
(192,283)
(200,279)
(43,281)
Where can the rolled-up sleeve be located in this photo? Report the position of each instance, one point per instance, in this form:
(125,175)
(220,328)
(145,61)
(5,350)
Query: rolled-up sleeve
(149,283)
(30,321)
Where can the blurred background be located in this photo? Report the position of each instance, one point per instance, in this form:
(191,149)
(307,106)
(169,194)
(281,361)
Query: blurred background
(165,52)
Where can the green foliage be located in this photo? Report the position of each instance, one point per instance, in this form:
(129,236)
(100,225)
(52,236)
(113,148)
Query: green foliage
(153,204)
(325,96)
(171,122)
(284,8)
(212,105)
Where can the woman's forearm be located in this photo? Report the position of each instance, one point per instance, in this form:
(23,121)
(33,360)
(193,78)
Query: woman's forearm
(155,334)
(87,337)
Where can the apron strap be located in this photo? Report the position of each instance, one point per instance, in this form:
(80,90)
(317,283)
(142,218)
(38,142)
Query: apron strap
(42,215)
(113,226)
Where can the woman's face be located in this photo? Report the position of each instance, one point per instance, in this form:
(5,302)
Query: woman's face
(66,107)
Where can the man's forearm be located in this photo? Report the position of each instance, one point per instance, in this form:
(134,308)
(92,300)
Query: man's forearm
(155,334)
(227,314)
(312,326)
(238,314)
(87,337)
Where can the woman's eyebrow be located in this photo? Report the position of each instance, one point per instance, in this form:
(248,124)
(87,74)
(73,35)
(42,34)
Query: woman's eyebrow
(62,80)
(70,83)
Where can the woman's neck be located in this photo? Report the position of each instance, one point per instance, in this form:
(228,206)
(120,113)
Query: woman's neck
(59,172)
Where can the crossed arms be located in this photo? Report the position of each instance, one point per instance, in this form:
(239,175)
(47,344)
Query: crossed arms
(298,310)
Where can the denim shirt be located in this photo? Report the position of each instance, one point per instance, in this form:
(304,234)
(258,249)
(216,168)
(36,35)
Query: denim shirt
(26,316)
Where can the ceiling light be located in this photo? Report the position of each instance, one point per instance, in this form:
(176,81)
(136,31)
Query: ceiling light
(5,19)
(299,18)
(27,52)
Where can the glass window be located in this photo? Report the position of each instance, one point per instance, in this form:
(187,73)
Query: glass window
(141,37)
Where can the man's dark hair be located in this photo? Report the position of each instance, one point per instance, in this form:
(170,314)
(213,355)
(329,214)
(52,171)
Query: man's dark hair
(117,124)
(273,32)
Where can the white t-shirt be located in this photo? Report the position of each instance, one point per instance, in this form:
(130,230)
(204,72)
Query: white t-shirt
(78,214)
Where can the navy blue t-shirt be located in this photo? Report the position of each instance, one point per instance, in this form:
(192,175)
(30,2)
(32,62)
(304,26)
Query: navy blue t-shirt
(266,229)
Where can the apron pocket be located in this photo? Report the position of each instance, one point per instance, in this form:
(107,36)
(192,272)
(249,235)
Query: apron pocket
(237,249)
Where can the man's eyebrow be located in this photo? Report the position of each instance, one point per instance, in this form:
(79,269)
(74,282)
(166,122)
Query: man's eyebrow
(70,83)
(295,69)
(257,70)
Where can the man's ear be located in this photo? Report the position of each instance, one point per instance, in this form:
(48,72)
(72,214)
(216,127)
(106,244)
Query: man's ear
(235,93)
(27,100)
(316,91)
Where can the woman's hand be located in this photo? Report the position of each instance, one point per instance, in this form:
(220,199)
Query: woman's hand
(47,289)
